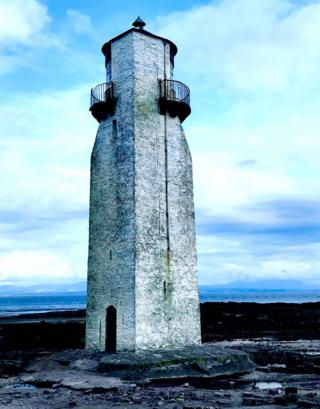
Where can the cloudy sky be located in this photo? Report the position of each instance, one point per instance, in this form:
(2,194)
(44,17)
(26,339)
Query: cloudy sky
(253,70)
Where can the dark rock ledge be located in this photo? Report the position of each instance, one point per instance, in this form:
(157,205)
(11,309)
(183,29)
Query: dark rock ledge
(80,369)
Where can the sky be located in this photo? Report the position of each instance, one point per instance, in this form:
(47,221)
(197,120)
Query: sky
(254,132)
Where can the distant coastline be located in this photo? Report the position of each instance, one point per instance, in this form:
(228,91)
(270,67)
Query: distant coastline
(262,296)
(33,303)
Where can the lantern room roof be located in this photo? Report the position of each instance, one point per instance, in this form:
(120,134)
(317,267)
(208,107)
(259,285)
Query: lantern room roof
(107,46)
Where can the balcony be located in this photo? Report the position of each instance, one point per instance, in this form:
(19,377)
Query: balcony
(102,101)
(174,99)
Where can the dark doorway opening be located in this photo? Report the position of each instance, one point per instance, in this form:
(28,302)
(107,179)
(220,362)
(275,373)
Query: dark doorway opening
(111,329)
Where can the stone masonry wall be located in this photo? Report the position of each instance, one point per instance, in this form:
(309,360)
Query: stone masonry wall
(151,231)
(111,268)
(184,303)
(167,301)
(142,250)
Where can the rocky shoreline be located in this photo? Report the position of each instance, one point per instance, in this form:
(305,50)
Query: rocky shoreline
(261,355)
(282,321)
(277,374)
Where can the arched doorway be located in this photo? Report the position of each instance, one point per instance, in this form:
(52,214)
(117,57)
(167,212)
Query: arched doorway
(111,329)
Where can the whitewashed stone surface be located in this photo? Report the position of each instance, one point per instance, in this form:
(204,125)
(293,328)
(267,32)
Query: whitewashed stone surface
(140,262)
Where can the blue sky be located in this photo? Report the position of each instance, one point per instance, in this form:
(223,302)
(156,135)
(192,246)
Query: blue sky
(254,132)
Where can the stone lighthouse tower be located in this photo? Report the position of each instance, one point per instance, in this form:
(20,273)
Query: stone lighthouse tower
(142,274)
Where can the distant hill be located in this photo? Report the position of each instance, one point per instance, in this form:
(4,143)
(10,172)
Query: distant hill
(261,285)
(78,287)
(81,287)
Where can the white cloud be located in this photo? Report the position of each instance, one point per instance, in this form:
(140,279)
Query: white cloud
(37,247)
(45,163)
(17,267)
(24,29)
(45,155)
(81,22)
(248,45)
(21,21)
(285,166)
(253,258)
(24,22)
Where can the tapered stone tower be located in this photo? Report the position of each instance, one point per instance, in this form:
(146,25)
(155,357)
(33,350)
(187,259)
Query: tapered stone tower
(142,274)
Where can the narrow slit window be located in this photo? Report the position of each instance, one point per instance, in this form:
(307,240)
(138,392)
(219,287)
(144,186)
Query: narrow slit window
(114,128)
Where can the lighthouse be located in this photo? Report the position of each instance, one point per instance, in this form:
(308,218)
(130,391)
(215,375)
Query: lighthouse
(142,262)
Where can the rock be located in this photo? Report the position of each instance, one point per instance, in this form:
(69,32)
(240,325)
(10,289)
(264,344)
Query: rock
(116,399)
(193,362)
(306,403)
(291,390)
(291,394)
(201,368)
(93,382)
(254,400)
(11,366)
(44,378)
(47,364)
(280,400)
(21,387)
(311,395)
(138,399)
(196,395)
(72,379)
(275,391)
(85,364)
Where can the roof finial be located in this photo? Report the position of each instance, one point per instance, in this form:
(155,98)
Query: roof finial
(139,23)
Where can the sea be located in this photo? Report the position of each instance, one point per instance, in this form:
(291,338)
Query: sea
(36,303)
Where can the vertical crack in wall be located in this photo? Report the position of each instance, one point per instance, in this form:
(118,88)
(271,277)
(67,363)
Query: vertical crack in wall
(167,287)
(166,182)
(166,158)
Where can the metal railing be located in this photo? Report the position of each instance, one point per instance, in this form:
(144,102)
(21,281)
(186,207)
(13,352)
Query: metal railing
(101,93)
(174,91)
